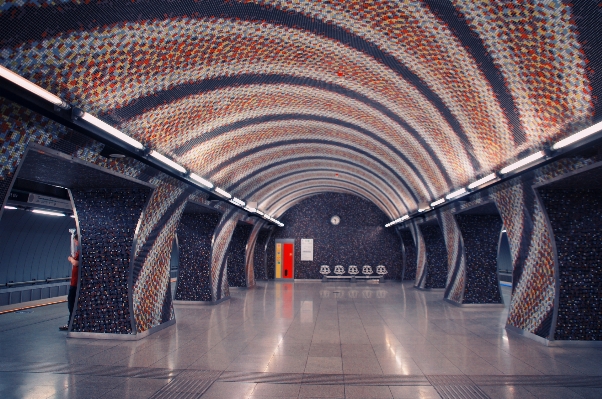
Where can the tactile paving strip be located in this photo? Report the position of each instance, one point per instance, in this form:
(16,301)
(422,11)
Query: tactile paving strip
(461,392)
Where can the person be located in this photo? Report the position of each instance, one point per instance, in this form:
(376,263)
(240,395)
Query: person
(74,260)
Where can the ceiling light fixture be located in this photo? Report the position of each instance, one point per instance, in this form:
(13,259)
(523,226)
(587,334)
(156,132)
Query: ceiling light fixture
(112,131)
(10,207)
(199,179)
(41,212)
(578,136)
(423,209)
(456,193)
(223,193)
(525,161)
(438,202)
(482,181)
(237,201)
(32,87)
(163,159)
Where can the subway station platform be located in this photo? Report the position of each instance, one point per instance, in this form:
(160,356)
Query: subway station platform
(299,340)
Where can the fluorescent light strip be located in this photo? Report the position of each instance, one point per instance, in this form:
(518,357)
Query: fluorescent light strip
(41,212)
(10,207)
(163,159)
(237,201)
(578,136)
(112,131)
(456,193)
(251,209)
(438,202)
(525,161)
(423,210)
(32,87)
(257,211)
(199,179)
(222,192)
(482,181)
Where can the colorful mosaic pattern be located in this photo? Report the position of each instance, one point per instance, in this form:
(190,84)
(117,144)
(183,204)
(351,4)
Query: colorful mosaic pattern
(437,91)
(151,294)
(456,267)
(420,255)
(253,245)
(219,254)
(435,272)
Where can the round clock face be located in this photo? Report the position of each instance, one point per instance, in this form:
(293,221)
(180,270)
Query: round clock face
(335,220)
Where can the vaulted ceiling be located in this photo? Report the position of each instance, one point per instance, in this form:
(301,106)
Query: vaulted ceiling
(399,102)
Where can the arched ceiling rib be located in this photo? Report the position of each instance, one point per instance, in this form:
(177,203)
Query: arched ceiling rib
(408,99)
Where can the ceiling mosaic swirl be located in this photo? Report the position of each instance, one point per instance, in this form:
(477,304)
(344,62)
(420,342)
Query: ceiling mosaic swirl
(406,99)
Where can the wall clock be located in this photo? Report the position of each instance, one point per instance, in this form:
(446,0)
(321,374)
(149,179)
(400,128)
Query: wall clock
(335,220)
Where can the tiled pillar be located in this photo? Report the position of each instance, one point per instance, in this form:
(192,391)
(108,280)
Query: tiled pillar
(533,277)
(409,268)
(260,254)
(151,292)
(575,216)
(250,254)
(237,252)
(195,233)
(107,220)
(420,255)
(434,272)
(456,268)
(219,255)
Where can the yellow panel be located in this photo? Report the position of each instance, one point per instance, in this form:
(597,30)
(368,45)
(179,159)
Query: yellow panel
(278,260)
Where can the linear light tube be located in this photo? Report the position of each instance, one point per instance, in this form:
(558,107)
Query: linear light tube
(237,201)
(252,210)
(525,161)
(456,193)
(199,179)
(482,181)
(439,201)
(257,211)
(404,217)
(578,136)
(47,212)
(10,207)
(167,161)
(222,192)
(112,131)
(423,209)
(32,87)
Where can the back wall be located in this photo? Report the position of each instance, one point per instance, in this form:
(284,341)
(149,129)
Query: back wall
(359,239)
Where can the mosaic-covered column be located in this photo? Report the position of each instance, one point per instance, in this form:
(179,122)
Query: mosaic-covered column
(237,252)
(481,234)
(456,268)
(195,233)
(250,253)
(420,255)
(219,254)
(434,271)
(577,237)
(531,308)
(107,220)
(260,255)
(409,267)
(151,287)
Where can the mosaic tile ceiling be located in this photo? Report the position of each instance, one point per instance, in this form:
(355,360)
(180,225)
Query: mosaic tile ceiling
(399,102)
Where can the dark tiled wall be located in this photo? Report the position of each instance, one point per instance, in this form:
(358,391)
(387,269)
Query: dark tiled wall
(236,256)
(481,234)
(409,273)
(436,256)
(576,217)
(259,258)
(359,239)
(195,233)
(107,220)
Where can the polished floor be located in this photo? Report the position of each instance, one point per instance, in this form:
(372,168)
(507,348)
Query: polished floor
(301,340)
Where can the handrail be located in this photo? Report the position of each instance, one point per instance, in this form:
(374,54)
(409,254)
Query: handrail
(34,282)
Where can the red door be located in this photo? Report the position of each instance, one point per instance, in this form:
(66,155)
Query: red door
(287,261)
